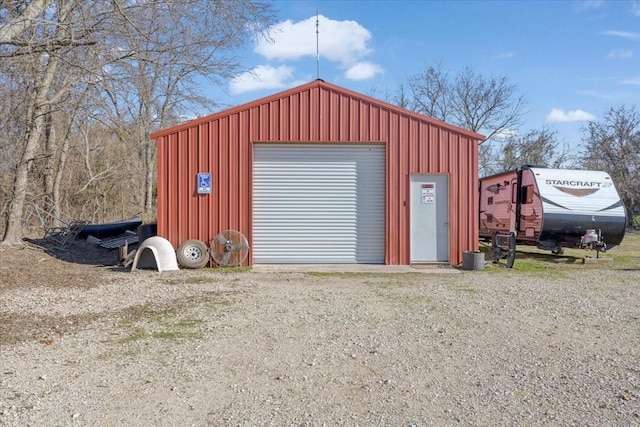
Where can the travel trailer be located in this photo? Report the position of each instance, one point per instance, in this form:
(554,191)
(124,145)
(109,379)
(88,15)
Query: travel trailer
(553,208)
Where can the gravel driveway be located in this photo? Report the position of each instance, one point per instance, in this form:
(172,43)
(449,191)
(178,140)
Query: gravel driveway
(203,347)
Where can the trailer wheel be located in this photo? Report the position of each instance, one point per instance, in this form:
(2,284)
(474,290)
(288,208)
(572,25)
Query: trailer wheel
(192,253)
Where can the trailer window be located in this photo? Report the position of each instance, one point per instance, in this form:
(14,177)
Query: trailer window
(490,200)
(527,194)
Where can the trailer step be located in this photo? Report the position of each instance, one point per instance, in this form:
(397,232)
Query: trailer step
(504,245)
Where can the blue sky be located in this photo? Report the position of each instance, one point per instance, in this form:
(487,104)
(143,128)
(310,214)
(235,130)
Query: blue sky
(572,60)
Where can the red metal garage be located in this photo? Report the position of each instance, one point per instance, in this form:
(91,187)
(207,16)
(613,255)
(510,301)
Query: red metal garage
(322,174)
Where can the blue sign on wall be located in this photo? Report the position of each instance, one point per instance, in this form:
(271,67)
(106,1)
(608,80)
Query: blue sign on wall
(204,183)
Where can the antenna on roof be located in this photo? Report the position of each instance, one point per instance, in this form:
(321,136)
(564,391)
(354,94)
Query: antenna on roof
(317,45)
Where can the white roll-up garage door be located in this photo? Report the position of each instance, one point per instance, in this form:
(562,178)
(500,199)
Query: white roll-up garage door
(318,203)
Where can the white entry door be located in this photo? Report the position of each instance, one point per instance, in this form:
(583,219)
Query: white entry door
(429,218)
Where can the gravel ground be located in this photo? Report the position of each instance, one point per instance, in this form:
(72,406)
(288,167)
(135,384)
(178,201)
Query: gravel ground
(85,344)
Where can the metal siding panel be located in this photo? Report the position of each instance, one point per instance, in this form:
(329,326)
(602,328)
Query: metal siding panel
(314,117)
(183,182)
(285,119)
(403,171)
(473,235)
(203,218)
(353,120)
(325,120)
(455,210)
(192,169)
(318,203)
(395,218)
(362,112)
(423,151)
(274,120)
(294,118)
(344,119)
(472,152)
(224,169)
(434,143)
(214,158)
(233,165)
(414,146)
(445,152)
(244,175)
(374,132)
(172,188)
(336,122)
(470,233)
(382,127)
(304,113)
(162,190)
(263,122)
(254,124)
(344,115)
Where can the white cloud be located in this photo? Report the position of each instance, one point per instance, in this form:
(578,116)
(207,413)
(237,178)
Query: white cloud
(635,7)
(503,55)
(558,115)
(262,77)
(589,4)
(632,81)
(344,43)
(607,95)
(621,53)
(623,34)
(363,71)
(338,41)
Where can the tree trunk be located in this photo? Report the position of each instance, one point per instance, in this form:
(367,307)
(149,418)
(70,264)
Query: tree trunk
(33,135)
(150,165)
(15,27)
(50,148)
(50,171)
(57,180)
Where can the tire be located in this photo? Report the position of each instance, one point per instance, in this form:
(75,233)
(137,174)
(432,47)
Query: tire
(192,253)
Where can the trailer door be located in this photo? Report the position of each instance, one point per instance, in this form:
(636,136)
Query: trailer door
(513,206)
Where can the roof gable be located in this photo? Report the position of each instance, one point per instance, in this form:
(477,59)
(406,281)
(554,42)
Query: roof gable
(316,85)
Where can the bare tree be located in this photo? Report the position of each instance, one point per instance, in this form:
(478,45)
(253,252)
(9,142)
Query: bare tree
(613,145)
(401,99)
(489,106)
(35,122)
(472,101)
(144,58)
(17,17)
(158,85)
(431,93)
(536,147)
(46,40)
(486,105)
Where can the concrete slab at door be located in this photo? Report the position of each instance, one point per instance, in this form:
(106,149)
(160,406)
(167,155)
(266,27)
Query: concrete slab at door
(429,218)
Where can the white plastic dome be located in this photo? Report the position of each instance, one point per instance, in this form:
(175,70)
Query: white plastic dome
(155,253)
